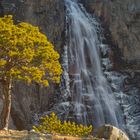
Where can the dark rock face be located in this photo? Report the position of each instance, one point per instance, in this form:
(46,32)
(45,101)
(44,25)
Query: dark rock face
(28,102)
(123,20)
(49,16)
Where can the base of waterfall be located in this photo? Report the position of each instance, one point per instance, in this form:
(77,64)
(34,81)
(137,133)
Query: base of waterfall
(106,132)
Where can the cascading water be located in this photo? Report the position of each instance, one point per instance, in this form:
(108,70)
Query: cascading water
(85,94)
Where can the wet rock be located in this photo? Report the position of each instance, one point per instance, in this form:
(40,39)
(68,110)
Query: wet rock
(126,91)
(125,86)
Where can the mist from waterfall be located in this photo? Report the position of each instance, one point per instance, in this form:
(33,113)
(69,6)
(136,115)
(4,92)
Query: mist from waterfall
(86,97)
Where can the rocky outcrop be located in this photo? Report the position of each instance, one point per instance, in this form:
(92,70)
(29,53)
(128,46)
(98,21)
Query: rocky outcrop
(104,133)
(122,18)
(25,135)
(30,100)
(111,133)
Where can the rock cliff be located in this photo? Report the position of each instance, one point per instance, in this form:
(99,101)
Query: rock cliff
(122,19)
(49,16)
(121,24)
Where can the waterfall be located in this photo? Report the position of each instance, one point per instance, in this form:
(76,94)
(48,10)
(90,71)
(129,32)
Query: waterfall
(86,96)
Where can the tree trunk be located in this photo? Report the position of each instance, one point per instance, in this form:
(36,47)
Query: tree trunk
(5,115)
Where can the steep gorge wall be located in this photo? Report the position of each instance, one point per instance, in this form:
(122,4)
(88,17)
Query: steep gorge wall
(49,16)
(122,18)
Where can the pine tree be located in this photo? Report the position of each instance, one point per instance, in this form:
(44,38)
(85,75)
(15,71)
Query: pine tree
(25,54)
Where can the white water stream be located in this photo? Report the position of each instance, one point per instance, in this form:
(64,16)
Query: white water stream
(86,95)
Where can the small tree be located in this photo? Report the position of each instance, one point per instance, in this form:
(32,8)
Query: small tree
(25,54)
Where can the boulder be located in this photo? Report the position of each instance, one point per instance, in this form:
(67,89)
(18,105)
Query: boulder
(111,133)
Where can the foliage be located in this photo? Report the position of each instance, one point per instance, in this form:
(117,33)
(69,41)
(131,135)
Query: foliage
(51,124)
(26,54)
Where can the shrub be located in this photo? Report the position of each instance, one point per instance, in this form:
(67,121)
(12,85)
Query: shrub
(51,124)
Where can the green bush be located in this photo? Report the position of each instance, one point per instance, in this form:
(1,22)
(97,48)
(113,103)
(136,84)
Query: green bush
(51,124)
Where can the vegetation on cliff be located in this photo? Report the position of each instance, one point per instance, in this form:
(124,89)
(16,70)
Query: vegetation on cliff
(51,124)
(25,54)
